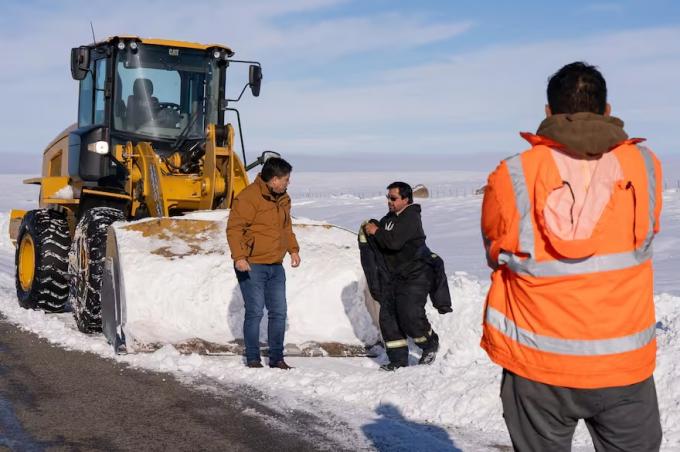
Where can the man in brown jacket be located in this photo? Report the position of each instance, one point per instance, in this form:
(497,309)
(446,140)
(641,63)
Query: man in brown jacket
(260,233)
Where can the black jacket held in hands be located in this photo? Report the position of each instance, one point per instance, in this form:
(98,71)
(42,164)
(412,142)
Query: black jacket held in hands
(399,238)
(398,252)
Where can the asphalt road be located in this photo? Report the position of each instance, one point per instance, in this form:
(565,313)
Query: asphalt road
(55,399)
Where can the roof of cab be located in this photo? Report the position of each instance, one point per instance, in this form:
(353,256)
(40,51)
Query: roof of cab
(170,43)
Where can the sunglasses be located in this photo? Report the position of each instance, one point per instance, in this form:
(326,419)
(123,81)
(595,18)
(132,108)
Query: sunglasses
(392,198)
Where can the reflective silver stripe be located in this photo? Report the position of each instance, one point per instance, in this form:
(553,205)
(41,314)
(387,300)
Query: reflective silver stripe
(396,344)
(563,267)
(420,339)
(651,187)
(577,347)
(519,186)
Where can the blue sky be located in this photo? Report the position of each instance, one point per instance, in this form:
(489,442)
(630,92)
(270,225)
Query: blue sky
(380,77)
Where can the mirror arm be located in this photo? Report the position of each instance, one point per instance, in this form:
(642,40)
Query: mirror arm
(261,159)
(239,96)
(244,61)
(254,164)
(240,133)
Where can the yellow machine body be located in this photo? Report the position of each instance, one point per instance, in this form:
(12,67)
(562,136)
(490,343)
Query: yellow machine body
(153,181)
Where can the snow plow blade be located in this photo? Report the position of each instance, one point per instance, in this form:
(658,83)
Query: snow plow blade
(171,281)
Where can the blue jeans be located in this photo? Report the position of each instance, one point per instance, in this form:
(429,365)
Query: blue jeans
(264,285)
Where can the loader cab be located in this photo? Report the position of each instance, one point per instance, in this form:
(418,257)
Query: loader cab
(160,92)
(132,90)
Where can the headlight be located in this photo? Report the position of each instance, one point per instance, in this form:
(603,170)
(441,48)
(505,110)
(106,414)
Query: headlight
(133,45)
(99,147)
(217,54)
(121,45)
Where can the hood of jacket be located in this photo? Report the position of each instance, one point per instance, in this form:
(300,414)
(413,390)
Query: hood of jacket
(584,135)
(268,193)
(413,208)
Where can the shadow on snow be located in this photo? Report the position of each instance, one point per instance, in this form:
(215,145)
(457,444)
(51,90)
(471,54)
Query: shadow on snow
(390,431)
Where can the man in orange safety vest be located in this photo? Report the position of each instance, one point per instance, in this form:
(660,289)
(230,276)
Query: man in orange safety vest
(568,227)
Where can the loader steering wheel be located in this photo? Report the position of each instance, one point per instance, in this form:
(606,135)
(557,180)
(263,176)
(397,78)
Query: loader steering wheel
(168,114)
(169,106)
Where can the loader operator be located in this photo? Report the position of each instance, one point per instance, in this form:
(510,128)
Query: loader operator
(260,233)
(400,240)
(568,227)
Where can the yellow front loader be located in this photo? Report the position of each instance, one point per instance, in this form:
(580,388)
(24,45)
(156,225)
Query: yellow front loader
(150,141)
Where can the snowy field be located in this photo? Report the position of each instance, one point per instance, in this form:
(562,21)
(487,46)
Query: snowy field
(451,405)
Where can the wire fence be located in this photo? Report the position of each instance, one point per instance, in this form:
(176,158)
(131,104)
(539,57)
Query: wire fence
(670,186)
(433,192)
(360,193)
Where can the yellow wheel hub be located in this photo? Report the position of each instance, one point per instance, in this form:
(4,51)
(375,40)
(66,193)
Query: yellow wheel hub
(84,264)
(26,262)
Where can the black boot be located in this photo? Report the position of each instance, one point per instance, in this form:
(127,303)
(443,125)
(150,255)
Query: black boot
(391,367)
(430,349)
(398,358)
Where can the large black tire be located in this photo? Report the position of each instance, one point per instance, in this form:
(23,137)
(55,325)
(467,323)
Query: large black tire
(86,266)
(42,243)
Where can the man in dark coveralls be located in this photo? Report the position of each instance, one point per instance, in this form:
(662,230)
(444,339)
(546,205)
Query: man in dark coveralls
(401,241)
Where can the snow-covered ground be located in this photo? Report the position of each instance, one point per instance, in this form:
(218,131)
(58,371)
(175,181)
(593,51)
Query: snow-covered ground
(450,405)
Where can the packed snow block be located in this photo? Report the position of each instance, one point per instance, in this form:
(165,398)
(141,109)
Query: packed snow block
(421,191)
(172,281)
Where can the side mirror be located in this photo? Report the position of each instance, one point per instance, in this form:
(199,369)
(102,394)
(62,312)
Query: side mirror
(266,155)
(255,79)
(80,62)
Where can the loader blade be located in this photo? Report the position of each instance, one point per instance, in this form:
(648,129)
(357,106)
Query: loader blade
(172,281)
(113,301)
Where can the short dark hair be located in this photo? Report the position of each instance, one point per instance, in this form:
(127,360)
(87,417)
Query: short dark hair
(405,190)
(577,87)
(275,167)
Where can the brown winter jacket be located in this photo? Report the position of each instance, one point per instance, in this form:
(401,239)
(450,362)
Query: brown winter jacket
(259,227)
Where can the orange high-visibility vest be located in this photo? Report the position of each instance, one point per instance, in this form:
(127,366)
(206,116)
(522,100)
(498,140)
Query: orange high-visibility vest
(572,313)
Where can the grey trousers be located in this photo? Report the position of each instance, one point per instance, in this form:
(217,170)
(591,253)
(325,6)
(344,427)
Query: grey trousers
(542,417)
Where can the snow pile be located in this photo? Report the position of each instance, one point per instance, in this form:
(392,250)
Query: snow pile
(180,285)
(667,373)
(65,192)
(5,242)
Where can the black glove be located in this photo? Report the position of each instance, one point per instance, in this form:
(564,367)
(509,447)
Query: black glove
(444,310)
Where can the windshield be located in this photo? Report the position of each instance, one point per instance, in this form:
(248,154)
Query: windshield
(162,92)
